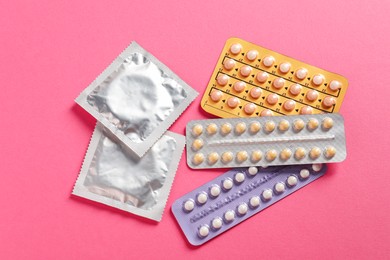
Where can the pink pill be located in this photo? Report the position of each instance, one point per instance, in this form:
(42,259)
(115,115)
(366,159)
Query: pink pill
(306,110)
(229,64)
(335,85)
(268,61)
(272,99)
(249,108)
(255,92)
(245,71)
(312,95)
(295,89)
(285,67)
(216,95)
(266,112)
(252,55)
(301,73)
(289,105)
(262,76)
(278,83)
(222,79)
(239,86)
(233,102)
(318,79)
(235,48)
(328,101)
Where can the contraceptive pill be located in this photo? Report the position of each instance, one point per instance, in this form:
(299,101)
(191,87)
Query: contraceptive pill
(283,140)
(239,200)
(288,86)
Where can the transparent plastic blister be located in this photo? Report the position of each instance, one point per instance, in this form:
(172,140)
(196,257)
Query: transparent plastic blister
(137,98)
(237,195)
(114,175)
(265,141)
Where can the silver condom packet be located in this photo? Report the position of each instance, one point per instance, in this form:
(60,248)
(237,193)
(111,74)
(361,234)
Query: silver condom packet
(113,175)
(137,98)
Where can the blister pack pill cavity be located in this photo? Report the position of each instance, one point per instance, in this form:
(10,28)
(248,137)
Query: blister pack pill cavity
(114,175)
(265,141)
(242,193)
(250,81)
(137,98)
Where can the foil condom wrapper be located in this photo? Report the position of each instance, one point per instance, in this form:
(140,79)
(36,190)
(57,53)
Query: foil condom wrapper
(112,174)
(137,98)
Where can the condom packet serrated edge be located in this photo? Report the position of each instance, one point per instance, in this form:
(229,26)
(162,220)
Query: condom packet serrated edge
(139,148)
(155,213)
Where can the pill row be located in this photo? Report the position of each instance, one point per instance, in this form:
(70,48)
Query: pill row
(235,196)
(238,142)
(255,126)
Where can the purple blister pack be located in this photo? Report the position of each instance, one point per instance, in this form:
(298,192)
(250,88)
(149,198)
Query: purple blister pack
(231,198)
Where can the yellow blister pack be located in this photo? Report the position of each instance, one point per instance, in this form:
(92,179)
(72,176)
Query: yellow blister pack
(250,80)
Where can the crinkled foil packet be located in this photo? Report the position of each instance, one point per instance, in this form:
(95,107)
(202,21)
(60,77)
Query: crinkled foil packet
(113,175)
(137,98)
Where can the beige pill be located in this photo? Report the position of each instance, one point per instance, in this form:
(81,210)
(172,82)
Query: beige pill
(315,152)
(312,124)
(198,158)
(284,125)
(227,157)
(285,154)
(222,80)
(241,156)
(266,112)
(245,71)
(242,209)
(212,129)
(197,144)
(216,95)
(229,64)
(254,127)
(212,158)
(239,86)
(271,155)
(269,126)
(318,79)
(329,152)
(203,231)
(236,48)
(233,102)
(256,156)
(300,153)
(285,67)
(280,187)
(327,123)
(197,130)
(301,73)
(268,61)
(267,194)
(262,76)
(249,108)
(226,128)
(292,181)
(252,55)
(227,184)
(240,128)
(298,125)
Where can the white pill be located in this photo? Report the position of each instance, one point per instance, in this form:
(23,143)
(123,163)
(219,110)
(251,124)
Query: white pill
(301,73)
(242,209)
(317,167)
(292,181)
(215,190)
(235,48)
(252,55)
(239,177)
(229,215)
(280,187)
(252,171)
(268,61)
(203,231)
(216,223)
(227,184)
(318,79)
(304,174)
(285,67)
(189,205)
(335,85)
(254,201)
(201,198)
(267,194)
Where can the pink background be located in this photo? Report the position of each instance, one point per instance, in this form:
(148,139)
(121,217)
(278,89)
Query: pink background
(51,50)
